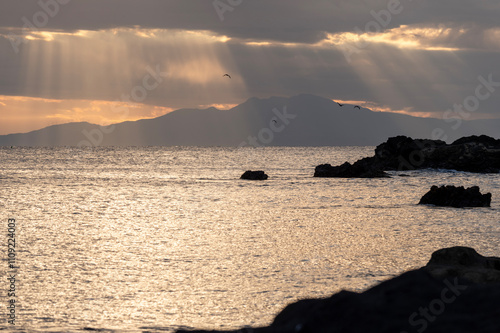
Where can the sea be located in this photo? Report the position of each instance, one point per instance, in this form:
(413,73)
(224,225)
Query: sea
(154,239)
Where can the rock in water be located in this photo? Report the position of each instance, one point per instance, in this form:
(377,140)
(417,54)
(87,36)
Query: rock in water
(254,175)
(456,197)
(360,169)
(404,153)
(471,154)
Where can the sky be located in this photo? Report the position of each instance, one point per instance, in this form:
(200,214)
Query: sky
(88,60)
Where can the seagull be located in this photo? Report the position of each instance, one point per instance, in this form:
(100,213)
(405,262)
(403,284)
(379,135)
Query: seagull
(341,105)
(357,106)
(229,76)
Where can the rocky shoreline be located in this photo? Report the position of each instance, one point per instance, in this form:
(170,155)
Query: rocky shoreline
(457,291)
(480,154)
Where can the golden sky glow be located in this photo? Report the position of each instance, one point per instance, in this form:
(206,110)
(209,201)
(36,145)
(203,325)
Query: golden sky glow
(404,37)
(23,114)
(218,106)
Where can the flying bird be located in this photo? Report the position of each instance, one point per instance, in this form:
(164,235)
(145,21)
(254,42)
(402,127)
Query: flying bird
(357,106)
(341,105)
(275,121)
(229,76)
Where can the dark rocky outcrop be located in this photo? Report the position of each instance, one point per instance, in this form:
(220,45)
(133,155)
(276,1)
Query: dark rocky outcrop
(484,140)
(254,175)
(360,169)
(441,297)
(472,154)
(404,153)
(456,197)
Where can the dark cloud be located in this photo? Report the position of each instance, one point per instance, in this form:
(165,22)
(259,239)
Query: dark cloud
(279,20)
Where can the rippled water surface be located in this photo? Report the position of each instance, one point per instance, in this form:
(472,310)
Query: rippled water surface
(152,239)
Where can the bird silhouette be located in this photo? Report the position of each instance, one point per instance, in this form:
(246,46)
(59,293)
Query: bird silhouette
(275,120)
(229,76)
(341,105)
(357,106)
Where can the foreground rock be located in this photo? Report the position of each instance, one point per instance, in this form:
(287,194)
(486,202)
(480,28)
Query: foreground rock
(458,291)
(466,263)
(254,175)
(472,154)
(456,197)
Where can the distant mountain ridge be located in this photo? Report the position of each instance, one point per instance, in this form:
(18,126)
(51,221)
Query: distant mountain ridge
(302,120)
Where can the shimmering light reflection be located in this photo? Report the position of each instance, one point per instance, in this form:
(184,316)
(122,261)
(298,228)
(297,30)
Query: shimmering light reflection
(159,237)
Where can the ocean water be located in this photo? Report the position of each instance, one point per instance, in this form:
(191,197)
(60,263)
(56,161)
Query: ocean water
(153,239)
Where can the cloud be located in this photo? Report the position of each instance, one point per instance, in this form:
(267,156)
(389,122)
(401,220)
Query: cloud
(404,67)
(274,20)
(421,59)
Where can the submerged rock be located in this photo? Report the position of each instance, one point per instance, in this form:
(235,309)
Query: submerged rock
(456,197)
(415,301)
(254,175)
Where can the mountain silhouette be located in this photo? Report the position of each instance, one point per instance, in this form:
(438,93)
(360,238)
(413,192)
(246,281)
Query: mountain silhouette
(302,120)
